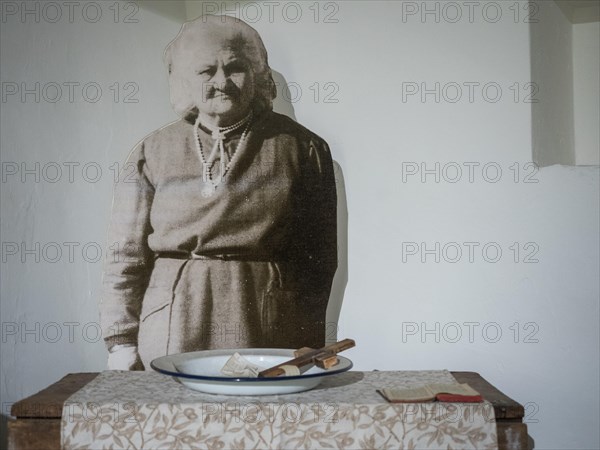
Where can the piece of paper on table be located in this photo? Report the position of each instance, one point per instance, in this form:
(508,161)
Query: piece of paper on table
(238,366)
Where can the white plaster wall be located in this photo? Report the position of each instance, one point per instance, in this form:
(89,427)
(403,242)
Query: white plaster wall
(49,300)
(586,85)
(552,71)
(375,137)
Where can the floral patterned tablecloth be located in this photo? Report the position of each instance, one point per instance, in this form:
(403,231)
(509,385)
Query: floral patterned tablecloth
(147,410)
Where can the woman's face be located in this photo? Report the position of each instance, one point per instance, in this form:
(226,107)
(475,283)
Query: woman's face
(219,79)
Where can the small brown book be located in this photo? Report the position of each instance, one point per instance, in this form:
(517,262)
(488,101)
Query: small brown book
(455,392)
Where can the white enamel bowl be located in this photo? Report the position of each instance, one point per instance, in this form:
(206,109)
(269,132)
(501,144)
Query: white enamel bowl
(201,371)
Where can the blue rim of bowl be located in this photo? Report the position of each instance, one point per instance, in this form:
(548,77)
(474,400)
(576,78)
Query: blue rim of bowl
(248,379)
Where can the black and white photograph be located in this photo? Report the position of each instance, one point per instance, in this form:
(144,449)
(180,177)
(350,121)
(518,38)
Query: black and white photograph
(300,224)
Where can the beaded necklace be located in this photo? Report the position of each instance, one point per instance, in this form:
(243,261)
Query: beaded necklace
(218,134)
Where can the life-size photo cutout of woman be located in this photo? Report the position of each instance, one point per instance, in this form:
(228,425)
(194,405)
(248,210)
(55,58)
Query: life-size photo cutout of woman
(224,222)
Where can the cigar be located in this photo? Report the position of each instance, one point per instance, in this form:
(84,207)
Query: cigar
(306,356)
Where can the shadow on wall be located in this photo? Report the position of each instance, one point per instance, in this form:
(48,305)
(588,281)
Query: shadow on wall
(340,280)
(283,105)
(3,430)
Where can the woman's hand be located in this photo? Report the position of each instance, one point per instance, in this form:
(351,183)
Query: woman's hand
(124,357)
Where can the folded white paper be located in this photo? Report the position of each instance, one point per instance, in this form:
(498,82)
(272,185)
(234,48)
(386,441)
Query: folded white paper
(238,366)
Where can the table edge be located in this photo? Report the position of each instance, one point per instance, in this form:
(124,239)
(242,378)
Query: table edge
(48,403)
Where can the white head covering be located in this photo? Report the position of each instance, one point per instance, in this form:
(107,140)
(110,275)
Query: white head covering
(243,37)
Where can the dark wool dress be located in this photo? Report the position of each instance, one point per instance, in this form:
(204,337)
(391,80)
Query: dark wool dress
(249,266)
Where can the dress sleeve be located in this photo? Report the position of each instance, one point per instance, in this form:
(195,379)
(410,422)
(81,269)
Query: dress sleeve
(320,213)
(129,260)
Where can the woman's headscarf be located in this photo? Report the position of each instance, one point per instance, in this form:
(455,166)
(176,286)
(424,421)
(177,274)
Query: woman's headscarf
(230,29)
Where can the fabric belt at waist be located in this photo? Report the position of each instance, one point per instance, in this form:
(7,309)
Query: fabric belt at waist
(220,257)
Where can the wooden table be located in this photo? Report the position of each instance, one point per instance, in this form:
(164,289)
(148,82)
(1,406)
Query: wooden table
(37,424)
